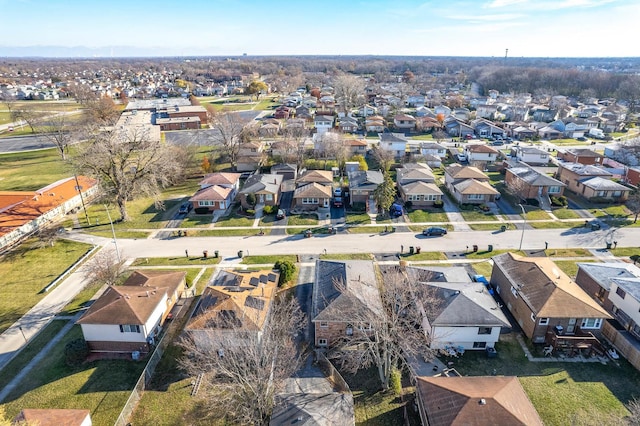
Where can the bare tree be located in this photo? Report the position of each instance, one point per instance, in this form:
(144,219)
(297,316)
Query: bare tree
(129,164)
(383,157)
(242,370)
(333,147)
(229,126)
(633,204)
(634,408)
(106,267)
(60,130)
(293,145)
(387,339)
(349,91)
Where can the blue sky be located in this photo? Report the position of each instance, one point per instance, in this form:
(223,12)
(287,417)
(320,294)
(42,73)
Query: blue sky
(541,28)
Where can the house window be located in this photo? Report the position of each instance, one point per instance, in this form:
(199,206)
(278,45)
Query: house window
(616,193)
(620,292)
(309,201)
(479,345)
(130,328)
(533,317)
(324,324)
(322,342)
(498,289)
(554,190)
(349,330)
(514,291)
(268,197)
(593,323)
(484,330)
(205,203)
(601,293)
(475,196)
(543,321)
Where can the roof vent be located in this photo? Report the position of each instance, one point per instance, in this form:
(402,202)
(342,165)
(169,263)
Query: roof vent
(482,401)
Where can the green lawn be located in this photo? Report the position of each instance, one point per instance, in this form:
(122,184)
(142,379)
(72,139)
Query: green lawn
(357,219)
(423,255)
(234,220)
(367,229)
(565,213)
(196,220)
(551,225)
(537,214)
(28,171)
(559,391)
(258,260)
(194,259)
(570,267)
(29,269)
(569,252)
(477,216)
(222,232)
(419,216)
(626,251)
(346,256)
(102,387)
(302,219)
(428,137)
(80,301)
(483,268)
(496,226)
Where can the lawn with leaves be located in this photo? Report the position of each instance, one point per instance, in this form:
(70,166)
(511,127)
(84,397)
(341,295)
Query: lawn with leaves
(302,219)
(420,216)
(477,216)
(537,214)
(368,229)
(565,213)
(357,219)
(28,270)
(102,387)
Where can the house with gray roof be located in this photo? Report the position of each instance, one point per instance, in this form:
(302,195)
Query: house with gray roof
(527,182)
(460,313)
(344,292)
(416,183)
(579,179)
(362,184)
(265,187)
(530,155)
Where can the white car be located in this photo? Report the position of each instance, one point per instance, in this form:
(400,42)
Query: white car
(462,158)
(337,192)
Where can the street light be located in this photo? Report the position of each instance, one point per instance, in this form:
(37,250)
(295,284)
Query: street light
(524,225)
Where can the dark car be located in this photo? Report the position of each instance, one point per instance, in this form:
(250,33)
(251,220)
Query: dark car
(396,210)
(185,208)
(280,214)
(435,230)
(337,201)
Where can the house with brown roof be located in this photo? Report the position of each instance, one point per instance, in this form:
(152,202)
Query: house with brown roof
(416,183)
(323,177)
(236,302)
(356,146)
(53,417)
(129,317)
(342,291)
(404,122)
(362,184)
(468,185)
(311,197)
(546,303)
(526,182)
(251,156)
(481,153)
(217,192)
(591,182)
(477,400)
(580,155)
(23,213)
(265,187)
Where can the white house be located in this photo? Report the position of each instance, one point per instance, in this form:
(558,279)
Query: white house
(465,314)
(530,155)
(395,143)
(128,318)
(481,152)
(323,123)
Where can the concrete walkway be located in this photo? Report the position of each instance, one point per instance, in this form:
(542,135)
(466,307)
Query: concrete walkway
(454,215)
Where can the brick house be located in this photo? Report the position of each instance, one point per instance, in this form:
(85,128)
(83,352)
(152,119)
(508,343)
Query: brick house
(527,182)
(362,184)
(545,302)
(591,182)
(580,155)
(342,290)
(266,189)
(311,196)
(416,183)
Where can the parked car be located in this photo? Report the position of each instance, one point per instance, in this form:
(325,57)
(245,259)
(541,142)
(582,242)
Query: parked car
(462,158)
(497,143)
(396,210)
(434,230)
(337,201)
(185,208)
(280,214)
(337,192)
(481,279)
(468,136)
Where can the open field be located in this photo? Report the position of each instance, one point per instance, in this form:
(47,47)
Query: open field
(29,269)
(28,171)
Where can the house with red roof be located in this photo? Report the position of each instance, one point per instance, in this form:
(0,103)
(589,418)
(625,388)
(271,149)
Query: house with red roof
(217,192)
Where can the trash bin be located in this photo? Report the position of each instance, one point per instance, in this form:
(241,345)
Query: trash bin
(393,229)
(490,248)
(205,253)
(216,254)
(608,245)
(503,228)
(307,233)
(418,250)
(240,253)
(410,249)
(475,247)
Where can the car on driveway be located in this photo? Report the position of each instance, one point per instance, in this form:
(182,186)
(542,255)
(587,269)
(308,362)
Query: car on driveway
(434,230)
(396,210)
(337,192)
(185,208)
(280,214)
(337,201)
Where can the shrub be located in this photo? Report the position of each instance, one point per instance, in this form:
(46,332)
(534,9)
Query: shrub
(251,199)
(287,268)
(532,202)
(201,210)
(395,381)
(408,205)
(75,352)
(268,209)
(359,207)
(250,212)
(560,201)
(438,204)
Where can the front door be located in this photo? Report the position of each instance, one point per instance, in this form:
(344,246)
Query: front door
(572,326)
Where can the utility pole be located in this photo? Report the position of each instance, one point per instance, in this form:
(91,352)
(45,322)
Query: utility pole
(524,225)
(113,231)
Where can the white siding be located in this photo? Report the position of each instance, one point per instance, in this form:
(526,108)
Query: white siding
(462,336)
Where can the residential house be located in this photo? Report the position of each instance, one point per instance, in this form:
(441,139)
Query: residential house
(356,146)
(362,184)
(212,198)
(622,153)
(460,313)
(475,400)
(416,183)
(323,123)
(223,179)
(530,155)
(457,128)
(26,212)
(348,125)
(375,124)
(616,286)
(251,156)
(367,111)
(344,292)
(404,122)
(486,129)
(427,124)
(580,155)
(591,182)
(53,417)
(523,133)
(128,318)
(423,111)
(526,182)
(461,113)
(456,173)
(486,111)
(235,306)
(416,100)
(311,196)
(548,132)
(471,191)
(433,148)
(395,143)
(477,152)
(545,302)
(632,176)
(283,112)
(265,187)
(323,177)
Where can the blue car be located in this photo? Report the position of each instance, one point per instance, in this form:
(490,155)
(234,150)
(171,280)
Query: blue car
(396,210)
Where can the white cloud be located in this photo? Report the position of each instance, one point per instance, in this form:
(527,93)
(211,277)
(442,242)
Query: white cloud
(482,18)
(502,3)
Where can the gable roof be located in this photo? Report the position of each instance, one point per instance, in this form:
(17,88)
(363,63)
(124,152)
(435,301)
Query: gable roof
(604,273)
(312,190)
(600,183)
(476,401)
(212,193)
(262,183)
(363,178)
(420,187)
(481,149)
(220,179)
(547,290)
(124,305)
(458,171)
(313,409)
(472,186)
(169,280)
(320,176)
(344,289)
(584,152)
(415,172)
(584,170)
